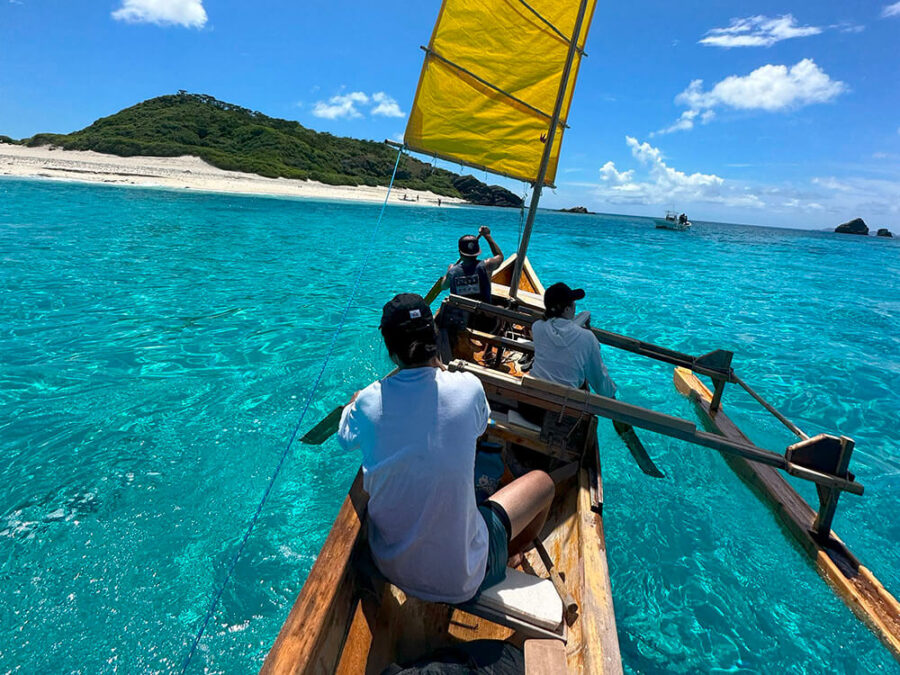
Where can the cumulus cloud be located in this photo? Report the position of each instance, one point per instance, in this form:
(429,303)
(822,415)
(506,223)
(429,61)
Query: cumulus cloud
(686,121)
(386,106)
(341,106)
(187,13)
(758,31)
(653,182)
(663,184)
(769,88)
(347,106)
(891,10)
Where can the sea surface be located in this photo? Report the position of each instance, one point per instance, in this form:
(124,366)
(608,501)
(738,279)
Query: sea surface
(156,348)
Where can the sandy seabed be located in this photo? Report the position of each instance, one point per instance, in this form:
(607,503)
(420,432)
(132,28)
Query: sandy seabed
(186,172)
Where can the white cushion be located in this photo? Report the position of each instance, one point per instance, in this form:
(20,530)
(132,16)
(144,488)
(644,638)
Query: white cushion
(525,597)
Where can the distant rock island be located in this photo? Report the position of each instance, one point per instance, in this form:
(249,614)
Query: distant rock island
(884,232)
(233,138)
(855,226)
(576,209)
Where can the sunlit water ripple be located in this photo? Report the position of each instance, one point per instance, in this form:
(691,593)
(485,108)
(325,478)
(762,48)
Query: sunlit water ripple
(156,348)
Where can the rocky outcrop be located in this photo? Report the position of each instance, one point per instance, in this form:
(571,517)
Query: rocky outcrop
(884,232)
(855,226)
(576,209)
(476,192)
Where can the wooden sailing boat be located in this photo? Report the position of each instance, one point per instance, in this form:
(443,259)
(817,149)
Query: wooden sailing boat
(501,74)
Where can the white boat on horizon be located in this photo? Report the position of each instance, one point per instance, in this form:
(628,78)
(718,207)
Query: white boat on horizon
(673,221)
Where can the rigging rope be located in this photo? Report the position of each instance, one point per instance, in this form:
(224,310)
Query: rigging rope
(284,453)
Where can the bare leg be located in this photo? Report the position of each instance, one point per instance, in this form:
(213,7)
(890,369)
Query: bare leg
(527,502)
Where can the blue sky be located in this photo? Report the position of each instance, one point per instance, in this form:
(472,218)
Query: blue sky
(761,112)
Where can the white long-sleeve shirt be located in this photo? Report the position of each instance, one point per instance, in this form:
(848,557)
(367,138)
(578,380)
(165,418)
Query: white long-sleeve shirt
(566,353)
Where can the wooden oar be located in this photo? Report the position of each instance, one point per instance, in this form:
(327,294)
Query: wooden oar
(636,448)
(329,424)
(325,429)
(436,289)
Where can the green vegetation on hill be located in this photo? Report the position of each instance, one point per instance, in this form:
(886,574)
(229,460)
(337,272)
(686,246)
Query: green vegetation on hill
(238,139)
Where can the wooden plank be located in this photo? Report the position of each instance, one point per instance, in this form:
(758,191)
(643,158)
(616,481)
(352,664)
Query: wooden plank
(852,582)
(707,364)
(312,638)
(597,618)
(355,654)
(513,345)
(545,657)
(556,396)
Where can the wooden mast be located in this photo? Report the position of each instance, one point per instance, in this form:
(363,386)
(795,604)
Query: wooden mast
(548,149)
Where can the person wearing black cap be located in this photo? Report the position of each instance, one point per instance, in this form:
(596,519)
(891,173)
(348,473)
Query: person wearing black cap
(417,431)
(564,351)
(471,277)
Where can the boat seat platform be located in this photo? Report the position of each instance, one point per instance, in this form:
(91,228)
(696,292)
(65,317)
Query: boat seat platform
(523,602)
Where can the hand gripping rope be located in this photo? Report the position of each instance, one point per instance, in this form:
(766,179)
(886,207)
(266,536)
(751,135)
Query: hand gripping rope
(284,453)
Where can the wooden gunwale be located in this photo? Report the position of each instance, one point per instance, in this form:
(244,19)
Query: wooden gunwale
(851,581)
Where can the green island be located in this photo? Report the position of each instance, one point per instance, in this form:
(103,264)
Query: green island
(238,139)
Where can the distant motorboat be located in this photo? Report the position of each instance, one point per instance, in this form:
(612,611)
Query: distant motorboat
(673,221)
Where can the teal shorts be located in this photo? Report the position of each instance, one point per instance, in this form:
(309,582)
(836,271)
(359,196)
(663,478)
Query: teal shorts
(498,527)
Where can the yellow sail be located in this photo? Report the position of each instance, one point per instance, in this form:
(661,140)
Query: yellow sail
(490,82)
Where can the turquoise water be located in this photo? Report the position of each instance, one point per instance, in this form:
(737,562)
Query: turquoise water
(156,347)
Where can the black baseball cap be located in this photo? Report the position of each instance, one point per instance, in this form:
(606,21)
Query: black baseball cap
(559,296)
(468,245)
(406,313)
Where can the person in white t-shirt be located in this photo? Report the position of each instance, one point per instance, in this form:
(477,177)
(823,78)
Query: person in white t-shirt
(564,351)
(417,430)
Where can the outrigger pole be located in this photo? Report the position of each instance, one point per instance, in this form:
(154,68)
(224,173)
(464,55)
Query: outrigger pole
(548,150)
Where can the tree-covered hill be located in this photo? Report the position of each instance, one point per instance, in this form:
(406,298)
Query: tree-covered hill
(237,139)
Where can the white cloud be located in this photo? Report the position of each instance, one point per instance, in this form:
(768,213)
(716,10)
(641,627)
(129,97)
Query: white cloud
(758,31)
(769,88)
(342,105)
(891,10)
(686,121)
(188,13)
(348,106)
(663,184)
(386,105)
(859,195)
(654,183)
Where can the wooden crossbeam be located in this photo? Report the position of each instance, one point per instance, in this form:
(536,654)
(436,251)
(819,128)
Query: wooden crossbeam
(711,365)
(559,397)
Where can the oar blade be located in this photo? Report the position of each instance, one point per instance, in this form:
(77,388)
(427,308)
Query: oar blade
(638,451)
(324,429)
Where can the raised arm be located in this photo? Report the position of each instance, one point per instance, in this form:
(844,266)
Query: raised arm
(445,280)
(494,262)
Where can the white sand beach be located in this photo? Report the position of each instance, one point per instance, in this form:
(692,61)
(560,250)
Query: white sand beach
(185,172)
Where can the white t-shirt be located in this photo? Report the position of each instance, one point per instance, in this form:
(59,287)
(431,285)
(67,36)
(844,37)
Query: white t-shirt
(417,432)
(566,353)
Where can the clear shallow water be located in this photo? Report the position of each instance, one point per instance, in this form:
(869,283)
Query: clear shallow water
(155,349)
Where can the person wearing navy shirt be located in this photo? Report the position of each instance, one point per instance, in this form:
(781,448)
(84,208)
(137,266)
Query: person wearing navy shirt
(471,277)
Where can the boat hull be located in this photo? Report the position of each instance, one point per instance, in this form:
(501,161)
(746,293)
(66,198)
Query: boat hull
(349,620)
(663,224)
